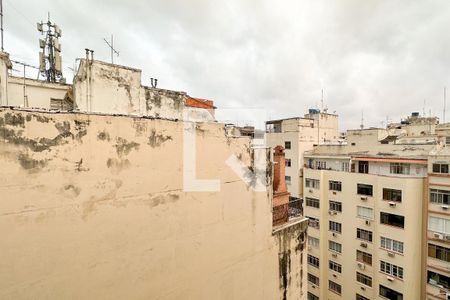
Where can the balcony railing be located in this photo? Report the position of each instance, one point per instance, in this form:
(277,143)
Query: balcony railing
(283,213)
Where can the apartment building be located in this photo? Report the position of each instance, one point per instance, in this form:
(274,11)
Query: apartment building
(298,135)
(437,232)
(365,201)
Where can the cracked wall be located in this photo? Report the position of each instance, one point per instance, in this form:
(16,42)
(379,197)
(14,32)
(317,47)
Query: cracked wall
(93,207)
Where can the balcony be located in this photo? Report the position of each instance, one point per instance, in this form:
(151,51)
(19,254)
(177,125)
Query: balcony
(286,212)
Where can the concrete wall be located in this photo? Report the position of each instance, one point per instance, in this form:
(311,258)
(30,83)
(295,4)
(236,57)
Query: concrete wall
(37,92)
(93,207)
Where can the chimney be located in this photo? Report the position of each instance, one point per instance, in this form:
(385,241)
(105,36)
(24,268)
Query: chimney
(279,181)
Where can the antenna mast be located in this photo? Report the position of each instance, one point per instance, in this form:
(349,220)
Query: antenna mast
(111,46)
(445,102)
(362,119)
(50,64)
(1,22)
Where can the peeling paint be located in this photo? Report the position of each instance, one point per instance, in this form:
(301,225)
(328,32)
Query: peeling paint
(123,147)
(28,163)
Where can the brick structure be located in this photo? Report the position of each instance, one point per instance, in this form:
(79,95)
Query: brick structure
(280,193)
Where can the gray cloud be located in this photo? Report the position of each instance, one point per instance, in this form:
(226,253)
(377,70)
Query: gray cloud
(383,57)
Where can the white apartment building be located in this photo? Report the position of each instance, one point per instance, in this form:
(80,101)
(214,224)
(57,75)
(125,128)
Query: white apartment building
(298,135)
(366,201)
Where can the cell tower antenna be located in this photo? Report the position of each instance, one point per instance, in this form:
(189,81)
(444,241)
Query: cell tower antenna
(50,61)
(111,46)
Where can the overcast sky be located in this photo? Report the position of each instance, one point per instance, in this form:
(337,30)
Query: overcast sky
(381,57)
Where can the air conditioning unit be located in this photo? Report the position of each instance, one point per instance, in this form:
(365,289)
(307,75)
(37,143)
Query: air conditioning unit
(310,190)
(363,288)
(309,248)
(361,266)
(392,204)
(334,255)
(390,278)
(334,234)
(391,254)
(334,275)
(364,198)
(334,193)
(331,212)
(444,207)
(438,236)
(367,222)
(364,245)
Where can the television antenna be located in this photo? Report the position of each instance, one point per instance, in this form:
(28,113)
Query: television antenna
(111,46)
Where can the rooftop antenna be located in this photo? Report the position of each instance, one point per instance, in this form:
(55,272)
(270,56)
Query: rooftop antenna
(321,102)
(423,110)
(50,62)
(362,119)
(1,22)
(445,100)
(111,46)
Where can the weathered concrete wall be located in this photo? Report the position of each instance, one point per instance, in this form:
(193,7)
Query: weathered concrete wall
(93,207)
(38,93)
(112,89)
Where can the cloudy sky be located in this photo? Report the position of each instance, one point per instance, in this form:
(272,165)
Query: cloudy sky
(385,58)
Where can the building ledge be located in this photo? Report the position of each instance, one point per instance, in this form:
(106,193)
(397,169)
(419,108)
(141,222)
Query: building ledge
(300,221)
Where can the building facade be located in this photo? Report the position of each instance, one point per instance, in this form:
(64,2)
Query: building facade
(297,135)
(366,200)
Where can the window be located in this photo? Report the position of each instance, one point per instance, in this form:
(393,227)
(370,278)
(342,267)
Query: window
(364,279)
(288,179)
(392,195)
(334,266)
(321,165)
(335,227)
(287,162)
(312,183)
(359,297)
(336,247)
(439,252)
(438,279)
(334,287)
(287,145)
(440,168)
(313,279)
(365,189)
(365,212)
(391,245)
(439,196)
(439,225)
(344,166)
(390,294)
(312,296)
(312,202)
(393,220)
(313,222)
(399,168)
(335,206)
(391,269)
(313,261)
(364,234)
(335,185)
(364,257)
(313,242)
(363,167)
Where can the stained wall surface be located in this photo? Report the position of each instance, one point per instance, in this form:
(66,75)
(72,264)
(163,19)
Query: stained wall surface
(93,207)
